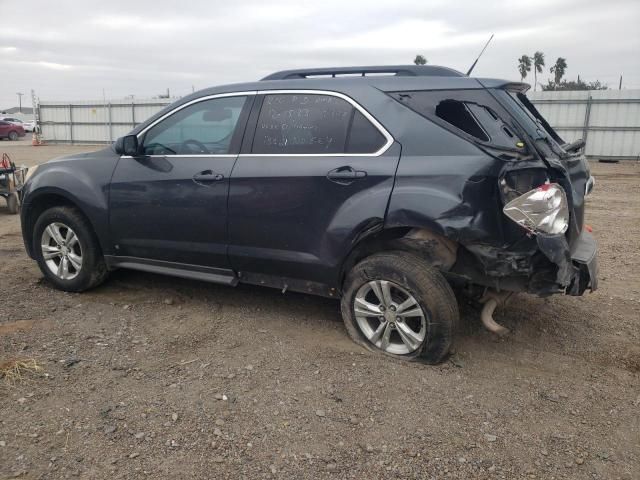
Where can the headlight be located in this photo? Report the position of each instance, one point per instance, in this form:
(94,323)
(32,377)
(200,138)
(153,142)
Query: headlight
(543,209)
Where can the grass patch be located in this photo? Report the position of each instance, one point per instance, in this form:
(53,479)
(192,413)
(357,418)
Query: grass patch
(16,370)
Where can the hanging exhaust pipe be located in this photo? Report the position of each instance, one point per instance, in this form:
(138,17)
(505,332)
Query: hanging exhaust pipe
(491,300)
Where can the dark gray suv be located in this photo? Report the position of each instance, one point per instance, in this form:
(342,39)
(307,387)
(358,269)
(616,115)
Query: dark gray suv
(381,186)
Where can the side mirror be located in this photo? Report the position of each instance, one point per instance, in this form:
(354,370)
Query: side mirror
(119,146)
(127,145)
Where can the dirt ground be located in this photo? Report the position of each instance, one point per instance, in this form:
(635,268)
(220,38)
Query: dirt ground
(156,377)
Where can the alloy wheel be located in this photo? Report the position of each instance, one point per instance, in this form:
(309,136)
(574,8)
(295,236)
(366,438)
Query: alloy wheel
(61,251)
(390,317)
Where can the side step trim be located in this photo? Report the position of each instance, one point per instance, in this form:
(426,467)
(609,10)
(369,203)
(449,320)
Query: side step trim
(174,269)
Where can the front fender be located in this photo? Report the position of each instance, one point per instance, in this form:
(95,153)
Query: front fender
(80,181)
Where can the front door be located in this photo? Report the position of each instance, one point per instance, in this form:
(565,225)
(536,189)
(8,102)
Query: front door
(318,173)
(170,202)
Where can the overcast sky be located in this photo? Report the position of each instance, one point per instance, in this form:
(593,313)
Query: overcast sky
(68,50)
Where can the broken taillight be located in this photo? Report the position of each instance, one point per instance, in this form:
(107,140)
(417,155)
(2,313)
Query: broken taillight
(543,209)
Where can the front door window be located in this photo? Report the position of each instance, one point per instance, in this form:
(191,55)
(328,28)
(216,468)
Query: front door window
(204,128)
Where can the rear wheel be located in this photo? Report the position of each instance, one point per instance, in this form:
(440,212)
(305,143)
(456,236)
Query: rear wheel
(67,250)
(13,136)
(396,304)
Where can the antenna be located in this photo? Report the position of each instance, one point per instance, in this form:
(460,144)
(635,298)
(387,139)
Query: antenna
(481,52)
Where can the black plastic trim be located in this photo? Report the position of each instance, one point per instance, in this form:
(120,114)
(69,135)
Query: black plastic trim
(182,270)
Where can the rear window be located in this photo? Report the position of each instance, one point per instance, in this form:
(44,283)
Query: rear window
(459,115)
(471,113)
(523,103)
(313,124)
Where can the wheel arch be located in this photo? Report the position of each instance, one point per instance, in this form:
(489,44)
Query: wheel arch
(437,250)
(42,201)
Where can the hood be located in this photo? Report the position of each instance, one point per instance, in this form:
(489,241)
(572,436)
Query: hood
(84,156)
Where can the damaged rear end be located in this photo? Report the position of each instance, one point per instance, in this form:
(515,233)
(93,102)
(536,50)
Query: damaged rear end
(514,204)
(553,211)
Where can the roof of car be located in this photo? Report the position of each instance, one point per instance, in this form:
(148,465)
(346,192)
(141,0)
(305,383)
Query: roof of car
(348,80)
(364,71)
(383,77)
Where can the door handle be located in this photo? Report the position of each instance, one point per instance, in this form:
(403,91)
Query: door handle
(345,175)
(207,176)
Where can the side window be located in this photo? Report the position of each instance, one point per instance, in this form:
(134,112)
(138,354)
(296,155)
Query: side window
(458,114)
(299,124)
(364,137)
(205,128)
(470,111)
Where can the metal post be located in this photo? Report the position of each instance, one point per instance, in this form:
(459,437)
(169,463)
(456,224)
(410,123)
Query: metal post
(110,126)
(104,111)
(71,123)
(133,114)
(587,115)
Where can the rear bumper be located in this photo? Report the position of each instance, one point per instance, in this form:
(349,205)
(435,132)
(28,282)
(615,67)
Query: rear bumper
(577,265)
(584,256)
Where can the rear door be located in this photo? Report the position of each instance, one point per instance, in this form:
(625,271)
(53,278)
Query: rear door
(170,202)
(317,172)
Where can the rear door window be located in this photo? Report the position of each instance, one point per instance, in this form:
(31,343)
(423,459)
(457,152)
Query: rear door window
(313,124)
(364,137)
(471,113)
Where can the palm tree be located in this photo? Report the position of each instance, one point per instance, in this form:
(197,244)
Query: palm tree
(558,70)
(420,60)
(538,63)
(524,66)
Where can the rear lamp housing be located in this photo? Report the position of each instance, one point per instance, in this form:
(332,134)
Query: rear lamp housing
(543,209)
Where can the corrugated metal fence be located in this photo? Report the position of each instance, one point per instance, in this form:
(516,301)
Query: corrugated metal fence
(609,120)
(94,122)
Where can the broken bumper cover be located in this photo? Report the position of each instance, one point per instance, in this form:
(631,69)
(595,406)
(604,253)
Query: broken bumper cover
(577,265)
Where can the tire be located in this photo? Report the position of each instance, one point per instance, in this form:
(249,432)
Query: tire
(406,275)
(13,136)
(13,203)
(80,249)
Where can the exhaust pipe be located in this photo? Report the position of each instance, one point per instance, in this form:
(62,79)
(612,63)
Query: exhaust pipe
(491,300)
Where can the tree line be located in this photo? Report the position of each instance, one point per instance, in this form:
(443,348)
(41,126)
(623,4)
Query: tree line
(537,62)
(559,68)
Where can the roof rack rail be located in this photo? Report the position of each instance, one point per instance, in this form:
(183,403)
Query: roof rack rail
(395,70)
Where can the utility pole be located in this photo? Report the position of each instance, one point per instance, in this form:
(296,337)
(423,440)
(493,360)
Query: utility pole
(19,101)
(620,84)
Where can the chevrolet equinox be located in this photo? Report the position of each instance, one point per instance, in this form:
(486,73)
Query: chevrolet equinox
(380,186)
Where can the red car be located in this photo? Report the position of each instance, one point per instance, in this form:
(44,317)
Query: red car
(10,130)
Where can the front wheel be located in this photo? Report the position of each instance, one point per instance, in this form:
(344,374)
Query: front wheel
(395,303)
(13,136)
(67,250)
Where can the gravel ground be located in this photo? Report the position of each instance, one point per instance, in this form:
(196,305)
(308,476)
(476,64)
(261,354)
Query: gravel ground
(156,377)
